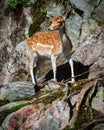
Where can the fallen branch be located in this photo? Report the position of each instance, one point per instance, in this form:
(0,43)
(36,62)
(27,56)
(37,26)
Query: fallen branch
(92,124)
(89,99)
(81,96)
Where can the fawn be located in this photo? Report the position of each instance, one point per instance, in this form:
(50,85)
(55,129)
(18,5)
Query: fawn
(50,44)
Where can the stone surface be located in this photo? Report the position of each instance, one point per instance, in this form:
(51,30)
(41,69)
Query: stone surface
(12,32)
(97,15)
(56,117)
(98,102)
(92,54)
(87,35)
(86,6)
(16,119)
(99,127)
(17,90)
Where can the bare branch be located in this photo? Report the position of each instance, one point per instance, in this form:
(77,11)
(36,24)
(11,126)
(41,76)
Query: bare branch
(81,96)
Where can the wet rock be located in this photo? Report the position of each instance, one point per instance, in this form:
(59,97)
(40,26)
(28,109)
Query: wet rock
(17,90)
(16,119)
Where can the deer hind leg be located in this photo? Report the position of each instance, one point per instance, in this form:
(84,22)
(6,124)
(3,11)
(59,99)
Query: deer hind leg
(53,61)
(33,71)
(72,69)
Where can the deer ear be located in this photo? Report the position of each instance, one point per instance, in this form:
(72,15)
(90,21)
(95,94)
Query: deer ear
(68,13)
(64,17)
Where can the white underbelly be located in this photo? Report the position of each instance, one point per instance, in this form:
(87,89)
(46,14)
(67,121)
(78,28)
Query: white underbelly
(45,53)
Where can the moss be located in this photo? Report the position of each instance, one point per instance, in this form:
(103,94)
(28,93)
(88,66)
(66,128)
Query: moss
(102,95)
(93,31)
(47,101)
(77,86)
(84,118)
(4,113)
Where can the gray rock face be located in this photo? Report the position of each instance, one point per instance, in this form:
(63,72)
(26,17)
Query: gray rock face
(17,90)
(86,6)
(56,118)
(99,127)
(92,54)
(16,119)
(11,35)
(98,13)
(98,102)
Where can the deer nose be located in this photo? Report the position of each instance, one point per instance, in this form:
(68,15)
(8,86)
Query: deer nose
(49,29)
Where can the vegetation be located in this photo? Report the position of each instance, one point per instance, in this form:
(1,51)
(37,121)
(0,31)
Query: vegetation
(12,3)
(4,113)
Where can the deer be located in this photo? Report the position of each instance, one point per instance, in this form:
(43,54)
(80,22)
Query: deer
(51,44)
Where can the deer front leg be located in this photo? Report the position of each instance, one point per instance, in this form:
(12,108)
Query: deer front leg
(33,61)
(53,61)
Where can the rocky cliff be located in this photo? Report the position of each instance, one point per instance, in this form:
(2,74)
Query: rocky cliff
(53,107)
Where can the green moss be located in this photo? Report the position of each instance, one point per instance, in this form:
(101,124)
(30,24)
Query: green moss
(30,32)
(47,101)
(12,3)
(43,11)
(24,1)
(67,128)
(102,95)
(35,18)
(93,31)
(77,86)
(4,113)
(83,118)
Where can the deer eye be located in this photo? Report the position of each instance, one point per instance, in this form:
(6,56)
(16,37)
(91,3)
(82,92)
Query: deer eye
(60,22)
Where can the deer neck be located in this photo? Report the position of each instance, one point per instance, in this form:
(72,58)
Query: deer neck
(63,34)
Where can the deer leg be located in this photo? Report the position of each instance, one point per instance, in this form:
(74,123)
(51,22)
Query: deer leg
(53,60)
(72,69)
(32,70)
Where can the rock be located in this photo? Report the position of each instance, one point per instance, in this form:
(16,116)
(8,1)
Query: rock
(99,127)
(86,6)
(34,117)
(98,102)
(31,120)
(16,119)
(17,90)
(13,32)
(12,104)
(1,128)
(55,10)
(92,54)
(51,86)
(56,117)
(97,15)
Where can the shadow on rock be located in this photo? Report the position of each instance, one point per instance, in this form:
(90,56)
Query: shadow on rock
(64,72)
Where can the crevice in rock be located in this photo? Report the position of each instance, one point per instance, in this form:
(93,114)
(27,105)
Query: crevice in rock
(64,72)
